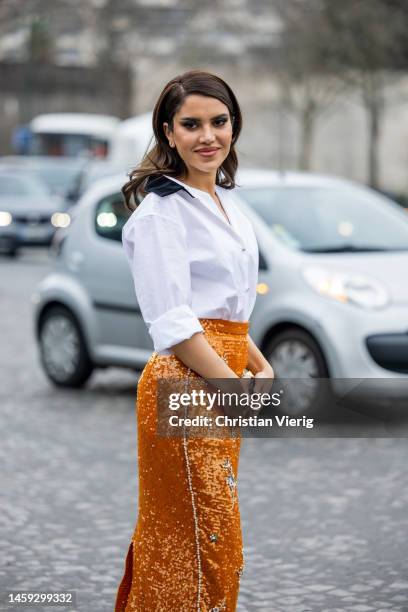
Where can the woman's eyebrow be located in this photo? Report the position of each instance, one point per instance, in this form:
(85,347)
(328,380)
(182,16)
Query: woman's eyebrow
(222,116)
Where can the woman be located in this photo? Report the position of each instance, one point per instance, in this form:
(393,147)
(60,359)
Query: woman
(194,260)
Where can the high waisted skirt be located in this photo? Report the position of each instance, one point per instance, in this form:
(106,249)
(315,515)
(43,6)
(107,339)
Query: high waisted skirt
(186,553)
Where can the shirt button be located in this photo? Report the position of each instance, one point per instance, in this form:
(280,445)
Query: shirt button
(243,249)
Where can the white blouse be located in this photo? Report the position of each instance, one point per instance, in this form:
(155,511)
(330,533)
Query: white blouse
(188,262)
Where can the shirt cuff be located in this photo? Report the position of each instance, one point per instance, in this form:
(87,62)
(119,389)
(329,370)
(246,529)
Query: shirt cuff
(174,326)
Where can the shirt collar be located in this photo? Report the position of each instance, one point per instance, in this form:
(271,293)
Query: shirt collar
(163,185)
(193,190)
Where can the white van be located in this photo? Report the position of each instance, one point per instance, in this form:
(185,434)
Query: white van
(132,138)
(73,134)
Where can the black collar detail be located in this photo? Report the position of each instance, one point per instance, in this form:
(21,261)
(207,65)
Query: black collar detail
(163,186)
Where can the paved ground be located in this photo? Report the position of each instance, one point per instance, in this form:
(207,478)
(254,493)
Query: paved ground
(325,521)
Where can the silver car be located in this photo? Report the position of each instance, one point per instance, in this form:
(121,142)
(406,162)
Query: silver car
(29,212)
(332,293)
(58,173)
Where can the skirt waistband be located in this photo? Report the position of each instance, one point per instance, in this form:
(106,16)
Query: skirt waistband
(223,326)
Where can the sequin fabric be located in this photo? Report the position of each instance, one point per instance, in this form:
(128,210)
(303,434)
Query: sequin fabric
(186,552)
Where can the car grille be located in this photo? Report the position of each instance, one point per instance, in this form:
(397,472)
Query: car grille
(41,219)
(390,351)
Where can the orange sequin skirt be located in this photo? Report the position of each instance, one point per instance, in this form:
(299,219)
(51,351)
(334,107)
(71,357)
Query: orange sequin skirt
(186,553)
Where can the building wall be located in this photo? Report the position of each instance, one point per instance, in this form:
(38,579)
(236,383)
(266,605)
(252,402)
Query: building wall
(159,39)
(28,90)
(271,133)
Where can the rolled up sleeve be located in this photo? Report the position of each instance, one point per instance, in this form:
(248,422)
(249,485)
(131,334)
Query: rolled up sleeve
(156,251)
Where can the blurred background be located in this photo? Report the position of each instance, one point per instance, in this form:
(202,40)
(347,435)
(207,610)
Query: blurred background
(323,87)
(323,84)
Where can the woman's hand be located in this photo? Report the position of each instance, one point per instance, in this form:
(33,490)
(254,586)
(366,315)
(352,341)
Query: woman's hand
(264,379)
(266,372)
(260,367)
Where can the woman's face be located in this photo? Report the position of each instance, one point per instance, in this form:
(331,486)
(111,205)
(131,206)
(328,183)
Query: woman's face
(202,133)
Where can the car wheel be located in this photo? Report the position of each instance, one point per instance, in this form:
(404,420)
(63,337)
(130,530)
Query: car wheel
(64,355)
(295,355)
(12,252)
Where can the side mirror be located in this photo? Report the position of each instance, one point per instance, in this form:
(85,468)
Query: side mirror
(262,262)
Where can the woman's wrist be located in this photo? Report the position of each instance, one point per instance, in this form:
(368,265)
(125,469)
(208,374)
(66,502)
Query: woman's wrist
(260,366)
(256,362)
(268,370)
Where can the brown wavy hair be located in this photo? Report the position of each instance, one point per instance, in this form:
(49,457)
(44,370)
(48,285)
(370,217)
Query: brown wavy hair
(161,158)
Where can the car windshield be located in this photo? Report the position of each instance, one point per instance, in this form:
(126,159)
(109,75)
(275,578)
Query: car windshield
(92,176)
(59,179)
(331,219)
(98,171)
(19,185)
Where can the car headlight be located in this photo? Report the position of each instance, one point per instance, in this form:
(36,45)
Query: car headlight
(346,287)
(60,219)
(5,218)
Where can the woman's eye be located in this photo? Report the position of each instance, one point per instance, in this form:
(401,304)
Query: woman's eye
(217,123)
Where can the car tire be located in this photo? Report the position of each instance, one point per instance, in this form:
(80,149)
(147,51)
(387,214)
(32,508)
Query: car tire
(12,252)
(296,338)
(308,361)
(63,351)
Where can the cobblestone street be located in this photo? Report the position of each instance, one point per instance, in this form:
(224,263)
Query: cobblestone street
(325,521)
